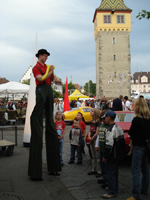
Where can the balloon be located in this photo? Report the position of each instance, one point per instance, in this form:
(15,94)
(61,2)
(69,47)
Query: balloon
(45,75)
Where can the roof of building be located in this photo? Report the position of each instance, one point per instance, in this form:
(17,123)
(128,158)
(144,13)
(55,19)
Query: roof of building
(139,75)
(3,80)
(57,80)
(113,5)
(77,86)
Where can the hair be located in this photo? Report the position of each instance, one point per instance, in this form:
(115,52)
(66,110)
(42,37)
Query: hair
(57,114)
(141,108)
(76,120)
(80,114)
(121,97)
(96,114)
(126,97)
(103,113)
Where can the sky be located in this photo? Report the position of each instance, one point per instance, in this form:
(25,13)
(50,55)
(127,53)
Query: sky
(66,30)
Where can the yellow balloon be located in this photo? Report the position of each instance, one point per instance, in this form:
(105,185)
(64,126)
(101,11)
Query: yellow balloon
(45,75)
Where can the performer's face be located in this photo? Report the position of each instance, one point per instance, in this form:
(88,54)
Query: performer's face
(43,58)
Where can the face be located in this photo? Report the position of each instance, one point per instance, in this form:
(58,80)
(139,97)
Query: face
(59,116)
(107,119)
(92,113)
(76,124)
(103,120)
(79,117)
(43,58)
(103,98)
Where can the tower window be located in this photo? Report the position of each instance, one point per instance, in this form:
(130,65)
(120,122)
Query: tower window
(120,19)
(114,40)
(114,57)
(107,19)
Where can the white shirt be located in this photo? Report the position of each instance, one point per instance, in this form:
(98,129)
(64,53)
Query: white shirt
(127,104)
(78,104)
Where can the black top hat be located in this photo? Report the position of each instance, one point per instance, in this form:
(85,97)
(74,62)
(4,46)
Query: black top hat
(41,52)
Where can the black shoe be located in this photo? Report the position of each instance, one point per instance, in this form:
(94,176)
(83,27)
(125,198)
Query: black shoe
(70,162)
(54,174)
(91,173)
(79,163)
(62,164)
(104,186)
(101,181)
(36,179)
(98,175)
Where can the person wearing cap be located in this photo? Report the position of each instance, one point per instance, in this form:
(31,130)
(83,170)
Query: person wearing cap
(114,151)
(100,146)
(44,100)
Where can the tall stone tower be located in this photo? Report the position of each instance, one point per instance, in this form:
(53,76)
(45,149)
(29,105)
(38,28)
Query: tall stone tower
(112,26)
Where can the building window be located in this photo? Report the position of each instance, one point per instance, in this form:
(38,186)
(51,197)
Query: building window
(114,40)
(120,19)
(114,57)
(107,19)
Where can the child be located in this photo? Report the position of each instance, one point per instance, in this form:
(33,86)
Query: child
(100,145)
(75,137)
(83,129)
(94,129)
(114,151)
(60,127)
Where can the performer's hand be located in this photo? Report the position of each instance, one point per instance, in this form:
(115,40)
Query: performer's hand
(59,137)
(51,68)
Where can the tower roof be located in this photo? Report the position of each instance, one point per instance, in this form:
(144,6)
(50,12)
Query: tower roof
(113,5)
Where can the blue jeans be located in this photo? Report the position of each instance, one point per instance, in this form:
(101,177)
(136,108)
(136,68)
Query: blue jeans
(139,164)
(79,154)
(103,167)
(61,142)
(112,177)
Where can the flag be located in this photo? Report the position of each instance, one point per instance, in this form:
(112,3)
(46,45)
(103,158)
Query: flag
(66,99)
(31,102)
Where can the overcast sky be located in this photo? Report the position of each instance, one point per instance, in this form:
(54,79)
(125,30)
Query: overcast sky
(66,30)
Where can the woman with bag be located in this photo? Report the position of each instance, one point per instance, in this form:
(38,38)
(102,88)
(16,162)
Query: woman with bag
(140,134)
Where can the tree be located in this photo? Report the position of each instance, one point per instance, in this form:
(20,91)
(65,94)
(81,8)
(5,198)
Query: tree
(70,86)
(27,82)
(92,86)
(143,14)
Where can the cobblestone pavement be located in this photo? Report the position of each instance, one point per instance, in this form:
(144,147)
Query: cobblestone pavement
(83,186)
(73,183)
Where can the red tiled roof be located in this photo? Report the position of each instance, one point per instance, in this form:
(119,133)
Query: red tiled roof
(3,80)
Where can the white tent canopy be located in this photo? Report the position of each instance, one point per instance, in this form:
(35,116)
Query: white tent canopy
(13,87)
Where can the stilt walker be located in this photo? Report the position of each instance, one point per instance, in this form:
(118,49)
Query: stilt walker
(44,101)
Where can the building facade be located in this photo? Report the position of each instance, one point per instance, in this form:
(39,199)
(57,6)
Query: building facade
(112,26)
(141,82)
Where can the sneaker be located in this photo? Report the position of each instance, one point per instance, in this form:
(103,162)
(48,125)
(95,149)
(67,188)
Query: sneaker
(91,173)
(70,162)
(108,196)
(130,153)
(98,175)
(104,186)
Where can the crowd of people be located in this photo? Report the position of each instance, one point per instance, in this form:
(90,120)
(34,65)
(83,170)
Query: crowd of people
(106,138)
(107,144)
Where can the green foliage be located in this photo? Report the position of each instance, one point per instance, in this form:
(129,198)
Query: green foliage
(70,86)
(27,82)
(92,87)
(55,93)
(143,14)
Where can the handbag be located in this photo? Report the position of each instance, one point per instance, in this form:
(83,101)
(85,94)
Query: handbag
(147,141)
